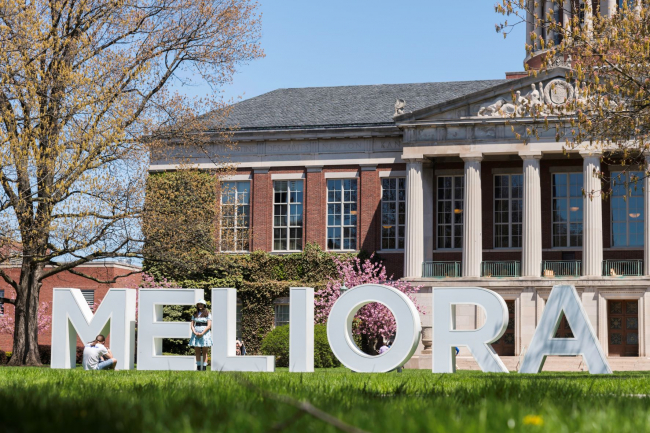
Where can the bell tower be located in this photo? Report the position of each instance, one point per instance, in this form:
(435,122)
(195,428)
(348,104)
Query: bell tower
(562,14)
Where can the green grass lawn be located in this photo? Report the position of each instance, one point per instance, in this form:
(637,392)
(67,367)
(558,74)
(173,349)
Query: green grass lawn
(44,400)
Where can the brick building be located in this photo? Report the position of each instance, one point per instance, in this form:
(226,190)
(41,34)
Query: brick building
(92,291)
(440,186)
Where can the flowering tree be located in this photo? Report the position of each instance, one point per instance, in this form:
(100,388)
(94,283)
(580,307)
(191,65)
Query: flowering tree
(374,320)
(44,320)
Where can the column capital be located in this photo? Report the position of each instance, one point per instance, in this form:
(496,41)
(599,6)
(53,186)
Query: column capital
(591,153)
(368,167)
(314,169)
(261,170)
(530,154)
(415,160)
(471,157)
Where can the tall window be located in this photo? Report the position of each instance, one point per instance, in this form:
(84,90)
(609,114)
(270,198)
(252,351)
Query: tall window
(287,215)
(508,194)
(627,210)
(450,211)
(567,209)
(393,213)
(2,304)
(235,197)
(342,214)
(281,314)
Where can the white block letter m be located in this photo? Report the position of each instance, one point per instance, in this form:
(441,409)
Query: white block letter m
(71,315)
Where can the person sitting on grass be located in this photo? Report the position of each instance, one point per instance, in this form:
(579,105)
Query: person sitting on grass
(97,356)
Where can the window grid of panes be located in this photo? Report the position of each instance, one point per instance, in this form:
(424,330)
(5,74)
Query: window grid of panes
(235,202)
(281,315)
(393,213)
(567,209)
(450,211)
(287,215)
(508,206)
(627,209)
(342,214)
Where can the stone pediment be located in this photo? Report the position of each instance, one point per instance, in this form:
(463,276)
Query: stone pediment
(517,98)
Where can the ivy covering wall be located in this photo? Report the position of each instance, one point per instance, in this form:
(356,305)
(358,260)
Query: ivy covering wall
(180,227)
(260,278)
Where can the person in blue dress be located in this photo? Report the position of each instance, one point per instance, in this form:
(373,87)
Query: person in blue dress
(201,334)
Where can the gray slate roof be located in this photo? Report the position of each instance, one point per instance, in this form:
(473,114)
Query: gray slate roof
(372,105)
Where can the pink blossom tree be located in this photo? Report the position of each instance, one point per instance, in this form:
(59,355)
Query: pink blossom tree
(374,320)
(44,319)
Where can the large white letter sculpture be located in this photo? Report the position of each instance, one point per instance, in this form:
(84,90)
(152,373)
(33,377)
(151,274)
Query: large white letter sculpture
(224,324)
(339,328)
(478,341)
(152,329)
(301,330)
(584,342)
(71,315)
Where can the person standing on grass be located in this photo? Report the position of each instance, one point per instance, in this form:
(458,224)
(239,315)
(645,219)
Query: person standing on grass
(201,334)
(96,356)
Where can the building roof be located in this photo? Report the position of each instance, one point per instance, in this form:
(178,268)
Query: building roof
(344,106)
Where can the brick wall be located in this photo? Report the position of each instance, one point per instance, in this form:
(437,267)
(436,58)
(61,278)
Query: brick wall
(315,210)
(68,280)
(370,207)
(262,211)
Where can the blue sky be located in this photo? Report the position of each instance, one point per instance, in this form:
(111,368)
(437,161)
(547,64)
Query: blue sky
(332,43)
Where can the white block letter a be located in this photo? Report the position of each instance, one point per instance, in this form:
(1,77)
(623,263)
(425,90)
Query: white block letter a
(584,342)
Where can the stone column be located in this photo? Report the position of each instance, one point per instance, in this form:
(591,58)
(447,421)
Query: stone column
(592,224)
(531,248)
(414,239)
(608,7)
(646,221)
(530,20)
(428,189)
(472,218)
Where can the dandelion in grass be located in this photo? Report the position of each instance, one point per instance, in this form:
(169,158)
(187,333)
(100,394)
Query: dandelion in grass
(533,420)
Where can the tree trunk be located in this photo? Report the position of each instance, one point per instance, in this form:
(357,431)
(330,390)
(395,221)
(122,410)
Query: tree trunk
(25,350)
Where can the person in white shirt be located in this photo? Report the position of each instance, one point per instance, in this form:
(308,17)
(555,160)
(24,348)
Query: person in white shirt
(97,356)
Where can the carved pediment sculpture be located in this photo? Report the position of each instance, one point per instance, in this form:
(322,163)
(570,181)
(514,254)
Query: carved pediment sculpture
(555,97)
(400,104)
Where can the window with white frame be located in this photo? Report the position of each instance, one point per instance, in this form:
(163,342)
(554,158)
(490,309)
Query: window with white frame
(567,209)
(393,213)
(281,315)
(508,205)
(450,211)
(287,215)
(2,304)
(627,209)
(342,214)
(89,297)
(235,201)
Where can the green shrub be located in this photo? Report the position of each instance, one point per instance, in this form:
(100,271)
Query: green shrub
(276,343)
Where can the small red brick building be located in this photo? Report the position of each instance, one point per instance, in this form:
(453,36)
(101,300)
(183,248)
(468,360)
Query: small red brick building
(93,291)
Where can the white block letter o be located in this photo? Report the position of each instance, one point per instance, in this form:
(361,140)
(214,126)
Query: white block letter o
(339,328)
